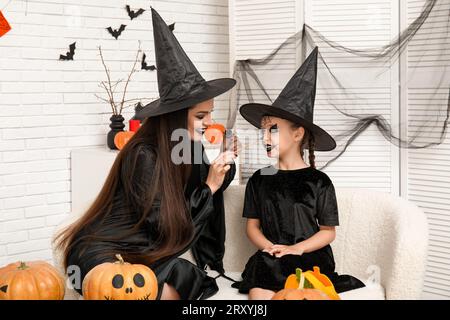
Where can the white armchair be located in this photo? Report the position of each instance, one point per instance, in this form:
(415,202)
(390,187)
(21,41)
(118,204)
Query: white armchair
(381,239)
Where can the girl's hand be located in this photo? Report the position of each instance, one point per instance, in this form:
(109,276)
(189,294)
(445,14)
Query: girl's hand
(279,250)
(218,169)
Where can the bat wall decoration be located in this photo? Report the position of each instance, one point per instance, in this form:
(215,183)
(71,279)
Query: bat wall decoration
(70,54)
(134,14)
(116,33)
(144,65)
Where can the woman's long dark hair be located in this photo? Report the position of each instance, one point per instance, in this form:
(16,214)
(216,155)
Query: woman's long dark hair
(168,180)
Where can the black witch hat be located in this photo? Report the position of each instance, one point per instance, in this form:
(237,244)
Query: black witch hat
(295,103)
(180,84)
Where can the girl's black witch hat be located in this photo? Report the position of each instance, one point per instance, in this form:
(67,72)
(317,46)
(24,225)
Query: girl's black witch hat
(180,84)
(295,103)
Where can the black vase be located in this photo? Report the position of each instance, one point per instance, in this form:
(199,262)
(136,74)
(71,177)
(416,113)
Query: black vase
(116,126)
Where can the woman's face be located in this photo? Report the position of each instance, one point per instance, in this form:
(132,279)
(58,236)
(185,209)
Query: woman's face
(199,117)
(280,137)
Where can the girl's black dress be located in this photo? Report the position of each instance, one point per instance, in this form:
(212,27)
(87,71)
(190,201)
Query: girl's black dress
(190,281)
(291,204)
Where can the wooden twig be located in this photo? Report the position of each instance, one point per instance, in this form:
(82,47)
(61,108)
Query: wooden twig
(111,87)
(101,98)
(110,95)
(108,75)
(139,99)
(133,70)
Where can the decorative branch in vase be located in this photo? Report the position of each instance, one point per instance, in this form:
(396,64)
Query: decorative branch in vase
(118,105)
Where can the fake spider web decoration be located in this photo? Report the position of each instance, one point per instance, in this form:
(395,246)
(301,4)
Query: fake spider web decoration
(255,79)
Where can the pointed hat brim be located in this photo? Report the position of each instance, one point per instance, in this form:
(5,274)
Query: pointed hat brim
(254,112)
(209,90)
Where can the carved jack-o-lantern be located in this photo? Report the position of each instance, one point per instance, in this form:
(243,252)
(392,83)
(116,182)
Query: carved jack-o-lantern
(120,281)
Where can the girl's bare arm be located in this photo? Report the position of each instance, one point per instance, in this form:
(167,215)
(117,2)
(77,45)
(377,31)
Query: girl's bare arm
(255,235)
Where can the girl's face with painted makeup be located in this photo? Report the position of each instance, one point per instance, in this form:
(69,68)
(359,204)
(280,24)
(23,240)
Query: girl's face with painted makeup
(199,118)
(280,136)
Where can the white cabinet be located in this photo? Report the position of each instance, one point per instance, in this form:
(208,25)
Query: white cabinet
(89,169)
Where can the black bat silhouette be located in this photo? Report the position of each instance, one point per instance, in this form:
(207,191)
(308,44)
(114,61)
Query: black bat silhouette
(118,32)
(134,14)
(144,65)
(172,26)
(70,54)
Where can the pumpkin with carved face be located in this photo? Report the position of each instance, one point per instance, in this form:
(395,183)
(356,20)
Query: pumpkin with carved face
(120,281)
(36,280)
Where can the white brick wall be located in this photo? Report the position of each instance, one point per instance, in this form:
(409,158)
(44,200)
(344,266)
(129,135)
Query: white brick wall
(48,107)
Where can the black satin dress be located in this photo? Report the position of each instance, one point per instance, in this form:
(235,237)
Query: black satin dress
(291,204)
(190,281)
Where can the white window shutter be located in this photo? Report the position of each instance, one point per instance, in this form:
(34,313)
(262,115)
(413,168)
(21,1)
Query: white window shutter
(256,28)
(427,182)
(420,175)
(370,161)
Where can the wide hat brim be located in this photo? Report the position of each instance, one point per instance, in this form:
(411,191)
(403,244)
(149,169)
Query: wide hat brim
(209,90)
(254,112)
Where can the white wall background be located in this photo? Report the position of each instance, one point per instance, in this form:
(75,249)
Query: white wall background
(48,107)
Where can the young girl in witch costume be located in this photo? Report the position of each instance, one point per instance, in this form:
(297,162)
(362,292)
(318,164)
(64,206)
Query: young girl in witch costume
(291,207)
(151,209)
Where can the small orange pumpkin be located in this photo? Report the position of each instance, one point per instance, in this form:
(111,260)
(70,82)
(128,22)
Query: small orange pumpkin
(298,287)
(214,133)
(312,280)
(121,138)
(36,280)
(120,281)
(300,294)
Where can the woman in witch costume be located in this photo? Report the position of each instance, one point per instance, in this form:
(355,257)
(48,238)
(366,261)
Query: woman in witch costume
(291,208)
(153,208)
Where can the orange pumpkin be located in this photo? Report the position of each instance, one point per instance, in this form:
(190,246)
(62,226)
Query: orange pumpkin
(214,133)
(300,294)
(31,281)
(120,281)
(300,286)
(121,138)
(312,280)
